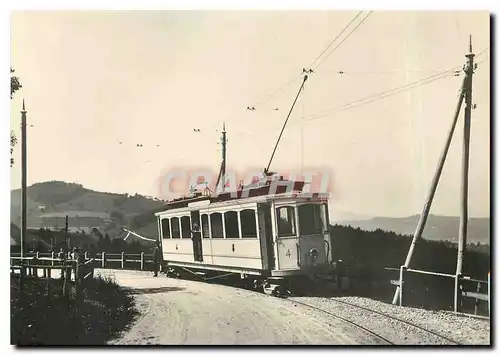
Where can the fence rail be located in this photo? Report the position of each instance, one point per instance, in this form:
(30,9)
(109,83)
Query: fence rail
(81,266)
(460,293)
(103,259)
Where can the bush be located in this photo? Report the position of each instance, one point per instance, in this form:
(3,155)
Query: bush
(102,311)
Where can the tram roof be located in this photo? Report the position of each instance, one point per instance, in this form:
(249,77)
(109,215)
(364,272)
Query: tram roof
(204,202)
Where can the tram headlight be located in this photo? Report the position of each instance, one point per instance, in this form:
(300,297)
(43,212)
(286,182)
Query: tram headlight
(314,254)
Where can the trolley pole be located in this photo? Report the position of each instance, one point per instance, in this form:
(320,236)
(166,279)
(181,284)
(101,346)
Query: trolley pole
(23,179)
(462,233)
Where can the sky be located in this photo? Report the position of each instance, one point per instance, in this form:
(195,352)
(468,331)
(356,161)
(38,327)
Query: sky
(94,79)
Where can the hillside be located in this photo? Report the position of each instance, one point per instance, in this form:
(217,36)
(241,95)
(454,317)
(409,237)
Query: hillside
(58,198)
(437,227)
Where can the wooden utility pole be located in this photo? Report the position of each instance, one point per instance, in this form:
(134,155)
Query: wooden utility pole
(66,236)
(462,233)
(23,179)
(428,202)
(222,173)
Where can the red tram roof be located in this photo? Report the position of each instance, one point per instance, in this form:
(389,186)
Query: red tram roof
(242,192)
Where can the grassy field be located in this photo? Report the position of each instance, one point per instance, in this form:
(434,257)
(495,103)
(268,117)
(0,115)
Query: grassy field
(99,315)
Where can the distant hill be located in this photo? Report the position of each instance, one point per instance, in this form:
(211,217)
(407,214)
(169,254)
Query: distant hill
(437,227)
(338,216)
(58,198)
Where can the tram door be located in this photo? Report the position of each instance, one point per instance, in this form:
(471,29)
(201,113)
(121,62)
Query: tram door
(196,236)
(266,234)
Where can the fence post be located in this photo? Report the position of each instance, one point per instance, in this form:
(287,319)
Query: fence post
(458,294)
(29,268)
(21,280)
(476,305)
(52,257)
(142,260)
(65,280)
(402,270)
(48,283)
(123,260)
(36,261)
(86,255)
(489,299)
(77,279)
(103,261)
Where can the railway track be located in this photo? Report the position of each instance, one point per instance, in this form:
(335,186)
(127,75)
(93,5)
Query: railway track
(439,339)
(437,336)
(384,340)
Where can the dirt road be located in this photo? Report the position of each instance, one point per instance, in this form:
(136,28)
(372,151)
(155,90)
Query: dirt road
(185,312)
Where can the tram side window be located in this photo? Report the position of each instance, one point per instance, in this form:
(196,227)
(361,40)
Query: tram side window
(165,227)
(310,219)
(204,226)
(231,222)
(248,224)
(286,221)
(176,231)
(186,226)
(216,224)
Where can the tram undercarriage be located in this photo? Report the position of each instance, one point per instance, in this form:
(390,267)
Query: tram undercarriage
(322,281)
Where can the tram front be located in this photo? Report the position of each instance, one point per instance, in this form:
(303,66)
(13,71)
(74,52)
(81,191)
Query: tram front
(302,238)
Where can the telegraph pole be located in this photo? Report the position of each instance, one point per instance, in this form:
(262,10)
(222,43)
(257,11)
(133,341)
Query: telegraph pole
(223,172)
(66,237)
(23,179)
(462,233)
(465,94)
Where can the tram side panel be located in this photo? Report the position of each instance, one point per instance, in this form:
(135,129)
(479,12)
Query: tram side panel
(238,253)
(178,250)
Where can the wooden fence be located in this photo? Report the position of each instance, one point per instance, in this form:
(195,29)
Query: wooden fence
(101,259)
(71,268)
(460,292)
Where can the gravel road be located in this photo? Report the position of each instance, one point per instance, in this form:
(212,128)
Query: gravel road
(181,312)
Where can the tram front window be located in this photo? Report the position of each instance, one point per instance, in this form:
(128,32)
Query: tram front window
(286,221)
(310,219)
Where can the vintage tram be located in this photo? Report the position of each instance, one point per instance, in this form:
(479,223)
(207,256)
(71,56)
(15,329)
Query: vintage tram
(272,234)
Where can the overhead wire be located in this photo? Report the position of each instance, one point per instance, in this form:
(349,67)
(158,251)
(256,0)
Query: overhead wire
(265,99)
(338,45)
(383,95)
(333,41)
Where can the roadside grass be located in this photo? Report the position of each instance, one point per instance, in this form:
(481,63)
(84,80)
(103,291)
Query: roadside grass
(99,315)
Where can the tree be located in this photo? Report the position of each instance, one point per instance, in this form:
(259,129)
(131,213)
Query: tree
(15,85)
(117,215)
